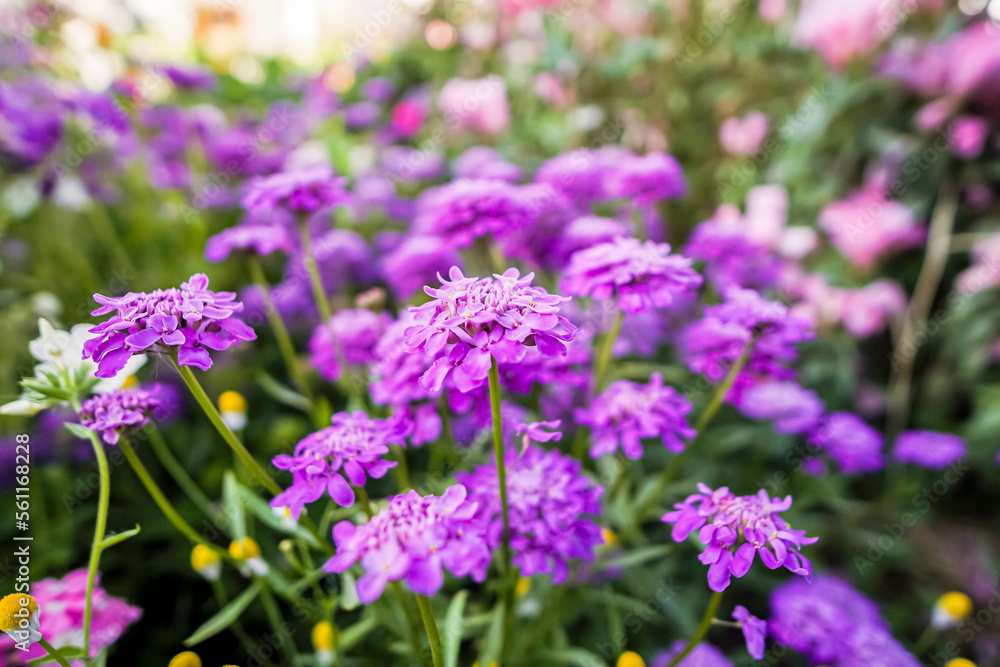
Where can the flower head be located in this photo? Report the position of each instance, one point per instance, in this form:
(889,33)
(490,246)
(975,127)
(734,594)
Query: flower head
(260,238)
(304,191)
(206,562)
(848,440)
(466,209)
(641,276)
(793,409)
(412,539)
(647,179)
(951,609)
(19,618)
(703,655)
(734,529)
(929,449)
(626,412)
(357,334)
(552,505)
(353,446)
(118,412)
(471,321)
(190,320)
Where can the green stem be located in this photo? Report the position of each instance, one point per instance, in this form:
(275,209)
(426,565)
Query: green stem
(507,572)
(699,634)
(227,434)
(319,294)
(278,625)
(604,356)
(180,474)
(411,620)
(53,651)
(402,472)
(430,625)
(161,500)
(248,644)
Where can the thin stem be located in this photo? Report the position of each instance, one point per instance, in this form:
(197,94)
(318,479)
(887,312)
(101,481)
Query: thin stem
(699,634)
(278,625)
(180,474)
(161,500)
(402,472)
(319,294)
(411,619)
(604,356)
(53,651)
(508,575)
(430,625)
(227,434)
(222,600)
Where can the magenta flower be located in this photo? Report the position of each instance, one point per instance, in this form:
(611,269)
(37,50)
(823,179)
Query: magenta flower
(357,333)
(580,174)
(743,136)
(929,449)
(641,276)
(260,238)
(848,440)
(118,412)
(793,409)
(754,631)
(353,447)
(304,191)
(190,321)
(628,412)
(551,509)
(647,179)
(466,209)
(414,262)
(734,529)
(413,539)
(472,321)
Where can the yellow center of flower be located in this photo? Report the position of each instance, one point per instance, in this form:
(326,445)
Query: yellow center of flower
(956,603)
(130,382)
(244,549)
(16,603)
(185,659)
(232,401)
(523,586)
(323,635)
(630,659)
(609,537)
(959,662)
(203,557)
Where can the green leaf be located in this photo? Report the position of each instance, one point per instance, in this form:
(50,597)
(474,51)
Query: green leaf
(354,634)
(638,556)
(348,592)
(68,652)
(120,537)
(573,656)
(79,430)
(490,652)
(232,505)
(225,616)
(281,393)
(263,511)
(452,631)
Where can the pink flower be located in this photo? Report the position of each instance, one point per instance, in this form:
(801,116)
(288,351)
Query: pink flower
(772,11)
(479,105)
(845,29)
(866,226)
(743,136)
(865,312)
(408,117)
(968,136)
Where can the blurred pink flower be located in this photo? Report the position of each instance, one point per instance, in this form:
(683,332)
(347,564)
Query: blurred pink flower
(866,311)
(765,219)
(479,105)
(743,136)
(933,115)
(550,88)
(968,136)
(844,29)
(408,117)
(985,269)
(772,11)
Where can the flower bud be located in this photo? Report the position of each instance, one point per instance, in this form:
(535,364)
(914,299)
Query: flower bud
(951,609)
(233,408)
(206,562)
(185,659)
(630,659)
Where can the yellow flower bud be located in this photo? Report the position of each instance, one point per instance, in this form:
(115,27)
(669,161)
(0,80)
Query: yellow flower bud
(951,609)
(523,586)
(185,659)
(244,549)
(130,382)
(233,409)
(206,562)
(19,618)
(959,662)
(630,659)
(609,536)
(324,636)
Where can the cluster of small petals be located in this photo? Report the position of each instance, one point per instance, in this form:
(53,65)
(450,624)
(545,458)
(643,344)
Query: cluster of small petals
(830,623)
(191,319)
(641,276)
(848,440)
(626,412)
(357,332)
(118,412)
(470,321)
(792,408)
(929,449)
(413,539)
(262,239)
(552,505)
(353,446)
(734,529)
(754,631)
(466,209)
(303,191)
(703,655)
(647,179)
(580,174)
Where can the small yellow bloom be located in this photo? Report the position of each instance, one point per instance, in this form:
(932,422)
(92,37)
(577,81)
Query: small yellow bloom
(185,659)
(609,536)
(523,586)
(324,639)
(19,617)
(959,662)
(206,562)
(476,664)
(233,409)
(951,609)
(630,659)
(244,549)
(130,382)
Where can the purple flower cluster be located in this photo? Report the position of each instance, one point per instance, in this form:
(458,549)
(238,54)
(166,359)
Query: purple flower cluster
(929,449)
(640,275)
(703,655)
(792,408)
(353,446)
(626,412)
(734,529)
(551,508)
(304,191)
(190,320)
(118,412)
(832,624)
(470,321)
(357,333)
(466,209)
(847,439)
(413,539)
(260,238)
(648,179)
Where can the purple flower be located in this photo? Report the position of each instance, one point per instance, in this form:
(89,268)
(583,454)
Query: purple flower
(929,449)
(31,119)
(754,631)
(485,162)
(535,432)
(793,409)
(361,115)
(723,520)
(551,506)
(585,232)
(352,446)
(732,258)
(832,624)
(416,261)
(703,655)
(647,179)
(470,321)
(466,209)
(190,320)
(190,77)
(118,412)
(627,412)
(579,174)
(640,275)
(377,89)
(357,332)
(848,440)
(304,191)
(412,539)
(396,371)
(262,239)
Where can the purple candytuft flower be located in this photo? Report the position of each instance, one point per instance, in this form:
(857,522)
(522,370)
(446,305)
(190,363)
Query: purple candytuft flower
(754,631)
(352,446)
(627,412)
(471,321)
(929,449)
(357,333)
(412,539)
(551,504)
(262,239)
(647,179)
(579,174)
(414,262)
(118,412)
(582,233)
(832,624)
(793,409)
(848,440)
(724,520)
(190,320)
(703,655)
(485,162)
(640,275)
(731,257)
(396,372)
(466,209)
(303,191)
(190,77)
(535,432)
